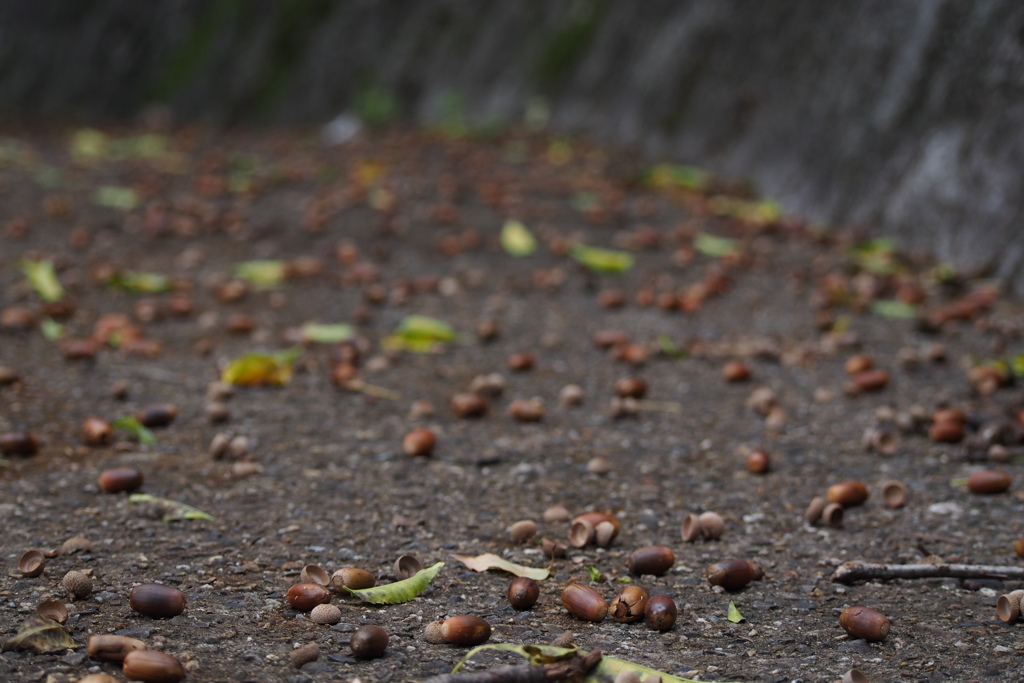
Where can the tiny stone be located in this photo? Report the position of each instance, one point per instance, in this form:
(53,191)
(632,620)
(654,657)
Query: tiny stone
(599,465)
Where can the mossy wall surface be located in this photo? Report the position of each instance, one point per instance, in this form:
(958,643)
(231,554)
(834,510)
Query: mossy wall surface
(906,116)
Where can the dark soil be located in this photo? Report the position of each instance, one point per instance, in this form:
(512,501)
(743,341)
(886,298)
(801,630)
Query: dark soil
(412,219)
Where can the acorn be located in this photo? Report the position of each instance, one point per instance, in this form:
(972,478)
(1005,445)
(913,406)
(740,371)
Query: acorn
(352,578)
(660,613)
(584,528)
(583,602)
(523,593)
(1018,546)
(157,415)
(604,533)
(522,531)
(77,585)
(151,666)
(325,614)
(526,410)
(894,493)
(369,642)
(301,656)
(733,574)
(1009,606)
(305,596)
(520,362)
(314,573)
(629,605)
(419,441)
(157,600)
(858,363)
(120,479)
(469,405)
(631,387)
(758,462)
(865,623)
(868,381)
(97,432)
(111,648)
(989,481)
(31,563)
(571,395)
(736,371)
(652,559)
(946,432)
(847,493)
(711,525)
(464,630)
(814,510)
(19,443)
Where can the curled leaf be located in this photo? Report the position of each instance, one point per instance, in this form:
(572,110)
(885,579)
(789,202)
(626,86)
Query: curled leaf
(399,591)
(481,563)
(326,334)
(601,260)
(262,274)
(170,509)
(893,309)
(262,369)
(131,425)
(420,333)
(712,245)
(41,635)
(517,240)
(116,197)
(139,283)
(43,278)
(734,614)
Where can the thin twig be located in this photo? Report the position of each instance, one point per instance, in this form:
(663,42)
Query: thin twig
(573,670)
(851,572)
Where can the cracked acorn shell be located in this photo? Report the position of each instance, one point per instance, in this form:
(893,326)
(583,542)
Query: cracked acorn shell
(660,612)
(628,606)
(583,602)
(32,563)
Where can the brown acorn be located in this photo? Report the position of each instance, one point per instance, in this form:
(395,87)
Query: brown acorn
(1018,546)
(466,630)
(523,593)
(584,528)
(989,481)
(868,381)
(369,642)
(865,623)
(631,387)
(19,443)
(419,441)
(305,596)
(111,648)
(660,612)
(736,371)
(847,493)
(629,605)
(157,415)
(352,578)
(526,410)
(652,559)
(97,432)
(156,600)
(758,462)
(469,405)
(118,479)
(151,666)
(583,602)
(733,574)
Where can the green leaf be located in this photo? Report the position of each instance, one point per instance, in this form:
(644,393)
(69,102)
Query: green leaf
(712,245)
(140,283)
(41,635)
(517,240)
(601,260)
(420,334)
(958,481)
(1017,365)
(116,197)
(88,144)
(758,213)
(594,572)
(665,176)
(606,670)
(262,369)
(43,278)
(623,579)
(893,309)
(327,334)
(266,274)
(399,591)
(877,256)
(669,347)
(141,433)
(171,509)
(482,563)
(734,614)
(51,329)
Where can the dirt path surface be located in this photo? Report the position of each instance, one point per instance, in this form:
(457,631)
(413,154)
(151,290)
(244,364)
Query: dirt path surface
(408,223)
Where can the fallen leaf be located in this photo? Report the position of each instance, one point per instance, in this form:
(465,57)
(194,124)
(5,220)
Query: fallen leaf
(712,245)
(420,333)
(42,635)
(326,334)
(131,425)
(878,256)
(264,274)
(51,329)
(665,176)
(481,563)
(756,213)
(594,573)
(399,591)
(601,260)
(734,614)
(171,509)
(893,309)
(88,144)
(140,283)
(43,278)
(262,369)
(116,197)
(517,240)
(669,347)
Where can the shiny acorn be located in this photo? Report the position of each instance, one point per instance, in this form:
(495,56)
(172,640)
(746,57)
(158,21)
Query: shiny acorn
(305,596)
(352,578)
(652,559)
(157,415)
(151,666)
(523,593)
(157,600)
(419,441)
(585,603)
(629,605)
(466,630)
(111,648)
(865,623)
(369,642)
(986,482)
(660,613)
(19,443)
(120,479)
(733,574)
(847,493)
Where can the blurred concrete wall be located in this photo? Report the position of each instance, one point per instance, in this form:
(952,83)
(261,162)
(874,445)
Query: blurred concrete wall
(906,116)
